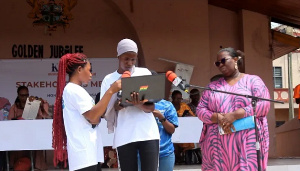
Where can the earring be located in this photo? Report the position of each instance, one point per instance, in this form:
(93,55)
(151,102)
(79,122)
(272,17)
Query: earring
(236,66)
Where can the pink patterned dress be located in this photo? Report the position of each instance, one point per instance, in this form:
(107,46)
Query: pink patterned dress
(234,151)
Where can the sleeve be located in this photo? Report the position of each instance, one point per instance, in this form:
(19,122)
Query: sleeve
(11,112)
(202,111)
(43,113)
(81,101)
(103,88)
(171,114)
(258,89)
(110,113)
(296,92)
(4,103)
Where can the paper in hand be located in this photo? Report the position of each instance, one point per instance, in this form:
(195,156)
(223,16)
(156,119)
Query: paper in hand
(31,109)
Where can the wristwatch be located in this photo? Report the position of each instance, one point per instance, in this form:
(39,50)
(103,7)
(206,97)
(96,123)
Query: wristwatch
(162,120)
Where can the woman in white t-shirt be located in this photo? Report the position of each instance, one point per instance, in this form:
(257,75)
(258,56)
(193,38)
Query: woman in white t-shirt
(76,115)
(135,126)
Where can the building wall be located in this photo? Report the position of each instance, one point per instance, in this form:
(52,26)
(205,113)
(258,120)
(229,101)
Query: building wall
(255,35)
(282,110)
(175,34)
(96,26)
(223,32)
(287,139)
(283,62)
(283,114)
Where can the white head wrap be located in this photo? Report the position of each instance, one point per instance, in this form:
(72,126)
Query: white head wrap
(126,45)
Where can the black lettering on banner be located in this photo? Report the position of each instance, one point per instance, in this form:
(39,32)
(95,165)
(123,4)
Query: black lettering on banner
(27,51)
(78,49)
(37,51)
(57,51)
(54,67)
(14,51)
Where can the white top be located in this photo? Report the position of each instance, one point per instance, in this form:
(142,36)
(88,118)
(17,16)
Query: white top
(133,124)
(81,137)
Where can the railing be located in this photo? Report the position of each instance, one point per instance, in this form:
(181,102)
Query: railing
(281,94)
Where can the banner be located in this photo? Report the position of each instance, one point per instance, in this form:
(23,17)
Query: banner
(40,76)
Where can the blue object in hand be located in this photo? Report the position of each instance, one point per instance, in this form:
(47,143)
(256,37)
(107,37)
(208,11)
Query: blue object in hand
(244,123)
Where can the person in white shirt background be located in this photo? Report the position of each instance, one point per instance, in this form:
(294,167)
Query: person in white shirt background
(134,126)
(76,115)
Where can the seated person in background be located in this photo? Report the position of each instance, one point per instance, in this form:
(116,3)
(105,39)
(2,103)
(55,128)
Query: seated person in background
(297,97)
(17,108)
(16,112)
(4,107)
(195,97)
(182,108)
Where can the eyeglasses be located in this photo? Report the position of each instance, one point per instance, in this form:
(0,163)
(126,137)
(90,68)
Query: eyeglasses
(24,95)
(223,60)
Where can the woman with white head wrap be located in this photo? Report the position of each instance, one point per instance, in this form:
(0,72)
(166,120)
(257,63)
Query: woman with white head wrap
(134,126)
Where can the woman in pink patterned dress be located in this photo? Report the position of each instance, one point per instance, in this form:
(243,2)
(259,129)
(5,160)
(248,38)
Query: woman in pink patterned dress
(235,150)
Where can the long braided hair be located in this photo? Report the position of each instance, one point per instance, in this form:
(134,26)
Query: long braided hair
(67,64)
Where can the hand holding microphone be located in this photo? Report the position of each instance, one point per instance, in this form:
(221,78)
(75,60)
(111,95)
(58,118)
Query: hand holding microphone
(171,76)
(118,105)
(125,74)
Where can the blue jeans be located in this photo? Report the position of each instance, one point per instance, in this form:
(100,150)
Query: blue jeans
(165,163)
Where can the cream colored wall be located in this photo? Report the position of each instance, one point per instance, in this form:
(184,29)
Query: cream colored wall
(283,62)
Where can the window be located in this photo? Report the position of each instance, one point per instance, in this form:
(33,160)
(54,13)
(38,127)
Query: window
(277,77)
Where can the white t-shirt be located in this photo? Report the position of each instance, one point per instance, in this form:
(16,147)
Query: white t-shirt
(82,147)
(133,124)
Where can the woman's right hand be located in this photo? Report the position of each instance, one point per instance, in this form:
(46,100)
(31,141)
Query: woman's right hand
(32,98)
(217,118)
(116,86)
(220,119)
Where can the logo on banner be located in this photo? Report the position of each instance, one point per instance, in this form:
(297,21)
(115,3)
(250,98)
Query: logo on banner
(51,14)
(54,69)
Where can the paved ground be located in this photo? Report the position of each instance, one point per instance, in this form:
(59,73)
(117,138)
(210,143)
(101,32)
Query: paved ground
(291,164)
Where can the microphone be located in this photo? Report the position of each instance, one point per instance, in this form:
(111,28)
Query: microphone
(172,77)
(125,74)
